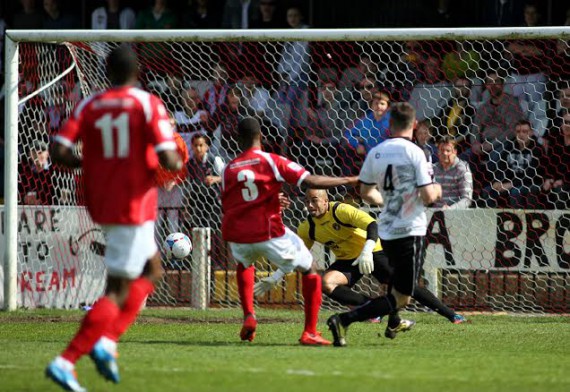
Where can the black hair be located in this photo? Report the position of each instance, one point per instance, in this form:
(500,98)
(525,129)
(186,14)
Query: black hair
(523,121)
(200,135)
(122,65)
(402,116)
(249,129)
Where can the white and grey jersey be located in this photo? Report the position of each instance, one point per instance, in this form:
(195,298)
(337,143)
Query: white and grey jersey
(398,167)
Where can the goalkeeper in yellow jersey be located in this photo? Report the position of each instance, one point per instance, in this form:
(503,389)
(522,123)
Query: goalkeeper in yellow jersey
(352,235)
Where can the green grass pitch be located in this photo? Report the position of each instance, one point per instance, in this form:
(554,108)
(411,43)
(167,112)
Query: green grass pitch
(188,350)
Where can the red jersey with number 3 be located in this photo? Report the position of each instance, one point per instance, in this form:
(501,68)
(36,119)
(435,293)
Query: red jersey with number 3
(250,195)
(121,130)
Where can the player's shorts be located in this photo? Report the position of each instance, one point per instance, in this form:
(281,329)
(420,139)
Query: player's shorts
(406,256)
(382,270)
(128,249)
(287,252)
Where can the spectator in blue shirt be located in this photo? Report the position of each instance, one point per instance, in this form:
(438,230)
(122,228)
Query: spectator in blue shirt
(367,132)
(373,128)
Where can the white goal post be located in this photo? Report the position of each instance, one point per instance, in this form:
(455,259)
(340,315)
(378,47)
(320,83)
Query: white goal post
(13,142)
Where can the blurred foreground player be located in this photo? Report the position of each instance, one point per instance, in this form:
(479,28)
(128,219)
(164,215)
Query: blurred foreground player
(125,133)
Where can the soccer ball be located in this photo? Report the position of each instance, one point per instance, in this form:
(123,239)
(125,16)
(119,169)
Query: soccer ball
(177,245)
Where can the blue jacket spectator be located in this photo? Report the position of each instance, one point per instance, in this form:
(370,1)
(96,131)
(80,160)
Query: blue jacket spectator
(373,128)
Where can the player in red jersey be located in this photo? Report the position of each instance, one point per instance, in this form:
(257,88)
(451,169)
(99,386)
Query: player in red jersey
(253,226)
(125,134)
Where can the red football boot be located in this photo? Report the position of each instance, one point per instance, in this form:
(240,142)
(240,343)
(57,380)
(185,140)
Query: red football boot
(309,339)
(248,329)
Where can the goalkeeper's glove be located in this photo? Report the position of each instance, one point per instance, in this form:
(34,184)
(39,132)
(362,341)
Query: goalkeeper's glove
(365,261)
(266,284)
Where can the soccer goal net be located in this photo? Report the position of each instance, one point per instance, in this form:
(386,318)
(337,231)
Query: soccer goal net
(499,242)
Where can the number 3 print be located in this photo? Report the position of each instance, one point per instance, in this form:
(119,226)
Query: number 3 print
(250,192)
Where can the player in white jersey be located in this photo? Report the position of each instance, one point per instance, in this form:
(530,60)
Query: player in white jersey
(395,173)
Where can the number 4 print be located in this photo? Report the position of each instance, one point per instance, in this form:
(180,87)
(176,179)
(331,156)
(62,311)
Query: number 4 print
(388,181)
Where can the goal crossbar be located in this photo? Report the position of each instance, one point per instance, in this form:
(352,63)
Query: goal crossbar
(322,35)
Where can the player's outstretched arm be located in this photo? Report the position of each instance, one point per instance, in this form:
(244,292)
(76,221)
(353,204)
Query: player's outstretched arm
(63,155)
(325,182)
(170,160)
(371,194)
(430,193)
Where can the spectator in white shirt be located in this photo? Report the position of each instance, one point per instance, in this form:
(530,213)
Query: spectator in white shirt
(113,16)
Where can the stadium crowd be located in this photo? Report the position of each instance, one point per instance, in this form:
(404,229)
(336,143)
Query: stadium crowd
(503,107)
(235,14)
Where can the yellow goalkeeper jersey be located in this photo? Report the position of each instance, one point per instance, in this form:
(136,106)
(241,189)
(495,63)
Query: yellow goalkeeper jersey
(342,229)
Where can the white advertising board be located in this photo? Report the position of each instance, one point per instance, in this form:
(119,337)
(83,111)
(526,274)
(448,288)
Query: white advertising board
(489,239)
(60,257)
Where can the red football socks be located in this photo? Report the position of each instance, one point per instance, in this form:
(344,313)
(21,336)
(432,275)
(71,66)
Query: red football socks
(245,281)
(94,324)
(313,298)
(140,289)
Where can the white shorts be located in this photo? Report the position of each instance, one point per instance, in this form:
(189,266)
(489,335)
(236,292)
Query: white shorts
(128,249)
(287,252)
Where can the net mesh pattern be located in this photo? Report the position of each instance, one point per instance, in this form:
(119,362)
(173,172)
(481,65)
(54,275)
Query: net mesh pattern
(499,241)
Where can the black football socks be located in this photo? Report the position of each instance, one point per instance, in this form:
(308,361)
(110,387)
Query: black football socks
(378,307)
(346,296)
(426,298)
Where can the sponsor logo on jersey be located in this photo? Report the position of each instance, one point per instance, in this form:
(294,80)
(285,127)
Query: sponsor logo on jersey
(247,162)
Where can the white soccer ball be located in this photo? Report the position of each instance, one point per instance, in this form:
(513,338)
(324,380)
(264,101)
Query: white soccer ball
(177,245)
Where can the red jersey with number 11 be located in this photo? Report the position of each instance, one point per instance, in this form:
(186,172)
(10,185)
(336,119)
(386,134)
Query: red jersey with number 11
(121,130)
(250,195)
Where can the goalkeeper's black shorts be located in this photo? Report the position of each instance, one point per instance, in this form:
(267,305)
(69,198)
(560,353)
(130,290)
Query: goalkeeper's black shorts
(382,270)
